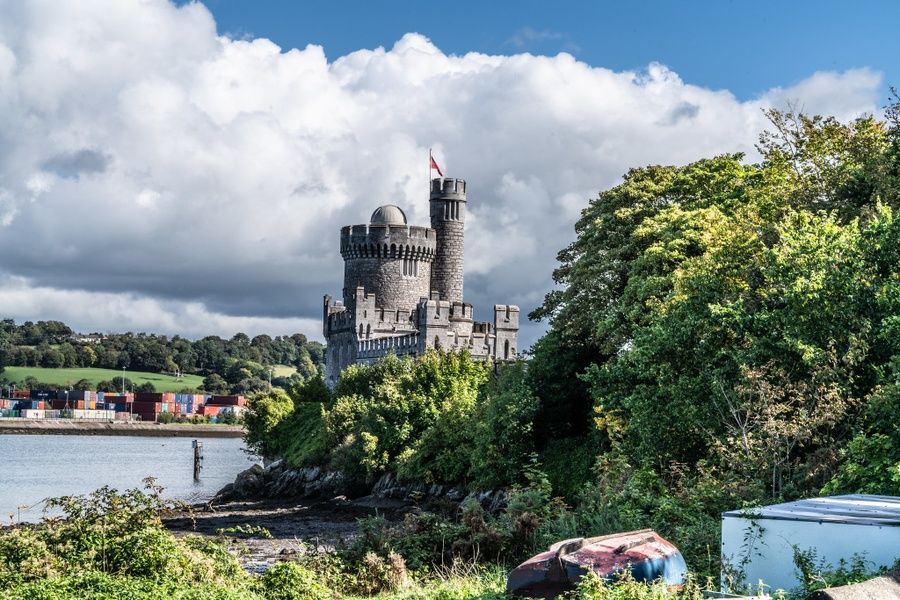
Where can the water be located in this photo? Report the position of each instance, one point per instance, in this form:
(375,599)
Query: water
(34,467)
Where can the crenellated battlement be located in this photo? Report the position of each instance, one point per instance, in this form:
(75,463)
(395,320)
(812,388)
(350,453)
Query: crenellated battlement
(448,188)
(388,241)
(506,316)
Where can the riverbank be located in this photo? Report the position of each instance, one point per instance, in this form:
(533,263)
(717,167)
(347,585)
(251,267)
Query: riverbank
(293,526)
(83,427)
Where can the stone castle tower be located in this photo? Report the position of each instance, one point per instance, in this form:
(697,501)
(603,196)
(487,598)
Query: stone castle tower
(403,289)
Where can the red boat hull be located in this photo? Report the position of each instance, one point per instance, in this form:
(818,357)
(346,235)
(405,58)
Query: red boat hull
(645,554)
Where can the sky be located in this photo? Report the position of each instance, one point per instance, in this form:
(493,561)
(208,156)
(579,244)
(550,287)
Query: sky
(185,168)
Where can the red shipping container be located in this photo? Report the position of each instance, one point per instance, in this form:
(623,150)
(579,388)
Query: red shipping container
(227,401)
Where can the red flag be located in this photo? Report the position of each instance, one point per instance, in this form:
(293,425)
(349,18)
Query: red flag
(435,166)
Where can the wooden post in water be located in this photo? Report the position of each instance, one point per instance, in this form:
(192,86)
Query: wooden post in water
(198,459)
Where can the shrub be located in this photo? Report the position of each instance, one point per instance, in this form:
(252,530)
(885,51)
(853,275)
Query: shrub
(292,581)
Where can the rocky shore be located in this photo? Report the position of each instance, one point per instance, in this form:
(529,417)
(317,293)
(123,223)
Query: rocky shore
(310,507)
(278,480)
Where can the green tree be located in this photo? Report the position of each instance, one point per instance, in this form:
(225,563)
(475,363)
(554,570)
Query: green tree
(264,414)
(52,358)
(503,428)
(215,384)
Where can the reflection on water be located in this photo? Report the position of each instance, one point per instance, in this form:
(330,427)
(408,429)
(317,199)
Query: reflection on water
(34,467)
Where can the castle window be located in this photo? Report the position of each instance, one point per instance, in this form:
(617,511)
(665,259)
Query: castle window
(410,268)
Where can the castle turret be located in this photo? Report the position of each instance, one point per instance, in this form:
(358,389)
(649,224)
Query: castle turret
(448,217)
(387,258)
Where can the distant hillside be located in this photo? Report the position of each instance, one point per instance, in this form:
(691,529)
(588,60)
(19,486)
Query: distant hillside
(53,354)
(68,377)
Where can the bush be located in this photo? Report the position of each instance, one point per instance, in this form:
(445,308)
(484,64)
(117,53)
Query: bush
(411,416)
(292,581)
(265,412)
(113,541)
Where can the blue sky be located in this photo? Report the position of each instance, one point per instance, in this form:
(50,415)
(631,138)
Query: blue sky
(746,47)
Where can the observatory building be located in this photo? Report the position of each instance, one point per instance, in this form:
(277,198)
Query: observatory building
(403,289)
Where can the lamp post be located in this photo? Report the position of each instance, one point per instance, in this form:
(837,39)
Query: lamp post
(123,381)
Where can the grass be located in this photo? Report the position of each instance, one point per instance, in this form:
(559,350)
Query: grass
(283,370)
(68,376)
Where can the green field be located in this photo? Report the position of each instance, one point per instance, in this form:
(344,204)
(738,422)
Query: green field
(283,370)
(162,382)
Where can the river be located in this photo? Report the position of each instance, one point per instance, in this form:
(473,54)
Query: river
(34,467)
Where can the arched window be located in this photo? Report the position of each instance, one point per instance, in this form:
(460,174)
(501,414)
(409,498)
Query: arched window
(506,350)
(437,343)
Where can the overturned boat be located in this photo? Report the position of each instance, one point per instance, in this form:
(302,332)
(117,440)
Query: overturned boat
(644,553)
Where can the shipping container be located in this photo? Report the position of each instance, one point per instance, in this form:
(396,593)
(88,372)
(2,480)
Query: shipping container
(227,401)
(118,398)
(93,414)
(145,407)
(44,394)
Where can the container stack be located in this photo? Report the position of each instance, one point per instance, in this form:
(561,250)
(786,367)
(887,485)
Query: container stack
(29,405)
(218,405)
(188,404)
(120,404)
(150,405)
(75,399)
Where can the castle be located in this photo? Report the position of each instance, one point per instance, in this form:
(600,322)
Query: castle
(403,289)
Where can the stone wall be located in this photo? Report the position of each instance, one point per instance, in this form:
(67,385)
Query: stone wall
(384,278)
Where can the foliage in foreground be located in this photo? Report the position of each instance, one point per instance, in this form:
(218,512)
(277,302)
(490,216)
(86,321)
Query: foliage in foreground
(108,541)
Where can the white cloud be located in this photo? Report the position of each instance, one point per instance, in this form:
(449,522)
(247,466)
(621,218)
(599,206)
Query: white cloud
(144,157)
(132,312)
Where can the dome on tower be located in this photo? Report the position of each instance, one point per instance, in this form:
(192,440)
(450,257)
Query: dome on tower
(388,215)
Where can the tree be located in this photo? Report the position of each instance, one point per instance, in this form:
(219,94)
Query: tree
(86,357)
(52,358)
(82,385)
(215,384)
(263,415)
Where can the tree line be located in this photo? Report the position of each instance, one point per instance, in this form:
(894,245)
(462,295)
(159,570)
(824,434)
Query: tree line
(225,362)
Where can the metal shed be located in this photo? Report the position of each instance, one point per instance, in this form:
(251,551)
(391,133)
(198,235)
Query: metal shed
(760,541)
